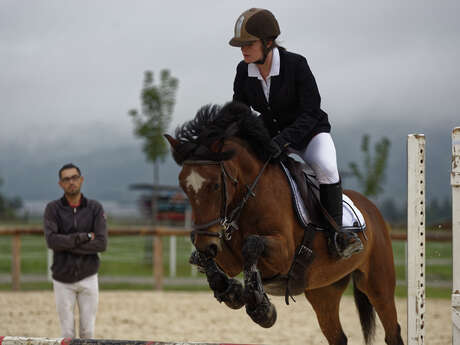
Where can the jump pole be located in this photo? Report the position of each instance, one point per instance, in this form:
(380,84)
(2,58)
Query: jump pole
(69,341)
(415,239)
(455,183)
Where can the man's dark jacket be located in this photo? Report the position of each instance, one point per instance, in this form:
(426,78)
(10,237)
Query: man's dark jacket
(293,114)
(66,231)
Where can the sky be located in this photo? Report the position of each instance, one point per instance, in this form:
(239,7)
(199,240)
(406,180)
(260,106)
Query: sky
(69,67)
(71,70)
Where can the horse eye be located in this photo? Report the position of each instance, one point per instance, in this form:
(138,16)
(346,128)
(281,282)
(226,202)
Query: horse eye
(216,186)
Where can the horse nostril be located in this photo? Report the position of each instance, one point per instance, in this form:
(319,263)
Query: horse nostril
(211,250)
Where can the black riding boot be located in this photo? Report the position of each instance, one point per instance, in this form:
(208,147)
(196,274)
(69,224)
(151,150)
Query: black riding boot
(346,243)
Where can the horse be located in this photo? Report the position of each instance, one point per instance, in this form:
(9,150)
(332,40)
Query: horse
(244,221)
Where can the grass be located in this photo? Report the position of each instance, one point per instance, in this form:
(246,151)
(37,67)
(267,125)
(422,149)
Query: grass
(125,256)
(132,257)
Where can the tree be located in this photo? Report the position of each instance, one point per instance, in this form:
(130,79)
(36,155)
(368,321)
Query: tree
(373,174)
(157,105)
(9,206)
(437,213)
(392,212)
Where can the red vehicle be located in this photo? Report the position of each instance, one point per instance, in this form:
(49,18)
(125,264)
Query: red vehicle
(171,202)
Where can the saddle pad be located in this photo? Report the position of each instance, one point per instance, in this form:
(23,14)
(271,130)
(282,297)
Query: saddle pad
(352,216)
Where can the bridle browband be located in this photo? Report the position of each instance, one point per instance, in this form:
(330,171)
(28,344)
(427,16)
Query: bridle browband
(227,221)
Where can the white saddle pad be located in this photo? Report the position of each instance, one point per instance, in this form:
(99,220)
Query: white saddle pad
(352,216)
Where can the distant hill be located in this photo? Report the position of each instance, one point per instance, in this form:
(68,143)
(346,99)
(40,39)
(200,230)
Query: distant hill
(108,171)
(438,157)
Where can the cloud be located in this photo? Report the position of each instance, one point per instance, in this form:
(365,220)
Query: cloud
(71,69)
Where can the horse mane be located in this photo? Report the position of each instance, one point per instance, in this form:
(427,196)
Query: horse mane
(202,137)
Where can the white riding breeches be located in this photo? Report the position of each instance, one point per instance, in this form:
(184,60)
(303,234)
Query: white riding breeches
(320,154)
(86,293)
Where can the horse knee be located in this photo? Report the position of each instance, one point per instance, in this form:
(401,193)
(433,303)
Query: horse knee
(252,249)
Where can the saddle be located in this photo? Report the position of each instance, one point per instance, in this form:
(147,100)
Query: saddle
(312,216)
(304,186)
(305,197)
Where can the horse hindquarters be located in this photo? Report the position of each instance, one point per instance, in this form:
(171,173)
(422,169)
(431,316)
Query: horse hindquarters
(376,277)
(326,301)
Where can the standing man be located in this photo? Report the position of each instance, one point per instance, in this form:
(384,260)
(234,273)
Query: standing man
(75,229)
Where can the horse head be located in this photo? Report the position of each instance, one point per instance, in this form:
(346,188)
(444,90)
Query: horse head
(211,187)
(209,149)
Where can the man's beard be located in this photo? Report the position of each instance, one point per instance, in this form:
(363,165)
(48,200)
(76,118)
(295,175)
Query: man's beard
(73,192)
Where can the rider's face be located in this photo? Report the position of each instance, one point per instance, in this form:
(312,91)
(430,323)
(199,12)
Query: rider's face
(252,52)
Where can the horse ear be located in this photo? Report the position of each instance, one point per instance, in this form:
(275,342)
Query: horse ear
(173,142)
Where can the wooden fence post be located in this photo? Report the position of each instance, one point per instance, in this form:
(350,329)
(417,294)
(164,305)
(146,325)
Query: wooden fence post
(158,261)
(16,261)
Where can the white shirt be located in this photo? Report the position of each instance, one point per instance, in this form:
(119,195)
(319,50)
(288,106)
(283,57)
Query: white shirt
(253,71)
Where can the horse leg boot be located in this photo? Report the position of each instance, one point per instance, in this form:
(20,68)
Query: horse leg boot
(258,306)
(345,243)
(227,290)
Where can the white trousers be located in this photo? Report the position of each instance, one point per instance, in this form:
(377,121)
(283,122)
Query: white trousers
(320,154)
(86,293)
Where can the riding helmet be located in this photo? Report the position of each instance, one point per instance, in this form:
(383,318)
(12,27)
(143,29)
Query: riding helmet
(254,24)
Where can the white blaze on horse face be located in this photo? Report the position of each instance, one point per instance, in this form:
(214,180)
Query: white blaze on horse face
(194,181)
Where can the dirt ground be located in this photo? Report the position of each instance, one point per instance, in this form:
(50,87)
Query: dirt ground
(197,317)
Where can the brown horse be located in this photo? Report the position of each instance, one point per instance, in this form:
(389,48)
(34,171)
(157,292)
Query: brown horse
(245,222)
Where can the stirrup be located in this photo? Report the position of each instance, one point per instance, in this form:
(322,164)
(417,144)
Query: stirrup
(350,248)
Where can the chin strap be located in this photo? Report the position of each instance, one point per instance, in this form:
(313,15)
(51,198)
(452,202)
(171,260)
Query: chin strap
(265,51)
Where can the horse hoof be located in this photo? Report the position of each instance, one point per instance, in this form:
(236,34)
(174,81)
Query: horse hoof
(264,314)
(271,317)
(234,304)
(234,296)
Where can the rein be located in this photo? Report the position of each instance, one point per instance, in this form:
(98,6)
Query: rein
(228,222)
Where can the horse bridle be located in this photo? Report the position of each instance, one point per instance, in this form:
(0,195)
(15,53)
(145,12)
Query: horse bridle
(227,221)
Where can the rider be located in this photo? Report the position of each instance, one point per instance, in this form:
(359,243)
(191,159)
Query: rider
(279,85)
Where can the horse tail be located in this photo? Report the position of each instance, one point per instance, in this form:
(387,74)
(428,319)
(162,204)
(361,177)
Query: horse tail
(366,313)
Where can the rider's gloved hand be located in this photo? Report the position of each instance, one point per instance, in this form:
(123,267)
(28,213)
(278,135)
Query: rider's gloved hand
(278,146)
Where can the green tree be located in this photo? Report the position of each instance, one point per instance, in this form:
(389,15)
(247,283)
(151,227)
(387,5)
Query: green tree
(152,121)
(372,176)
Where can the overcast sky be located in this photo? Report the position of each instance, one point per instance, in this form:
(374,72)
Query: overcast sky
(71,70)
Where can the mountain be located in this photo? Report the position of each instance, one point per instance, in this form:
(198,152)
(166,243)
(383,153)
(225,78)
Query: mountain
(109,170)
(108,173)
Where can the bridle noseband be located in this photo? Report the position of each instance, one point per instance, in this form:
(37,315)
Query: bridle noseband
(227,221)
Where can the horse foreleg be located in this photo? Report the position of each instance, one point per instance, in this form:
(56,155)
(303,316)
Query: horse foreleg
(227,290)
(258,306)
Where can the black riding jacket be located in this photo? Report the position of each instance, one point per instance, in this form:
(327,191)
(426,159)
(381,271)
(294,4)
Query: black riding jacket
(66,231)
(293,114)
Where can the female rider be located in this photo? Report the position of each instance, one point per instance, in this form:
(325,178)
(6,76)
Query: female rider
(280,86)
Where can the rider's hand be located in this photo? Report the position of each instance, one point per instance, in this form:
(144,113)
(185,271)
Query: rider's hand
(278,146)
(276,149)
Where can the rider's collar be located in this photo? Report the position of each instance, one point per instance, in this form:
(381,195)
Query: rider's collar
(253,71)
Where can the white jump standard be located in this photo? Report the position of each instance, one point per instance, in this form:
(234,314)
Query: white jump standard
(455,182)
(415,239)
